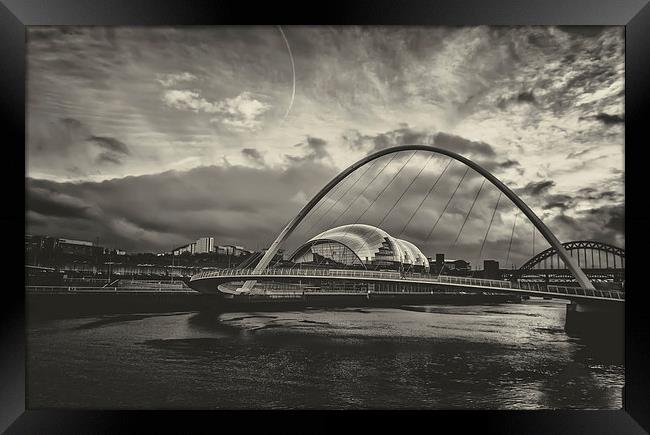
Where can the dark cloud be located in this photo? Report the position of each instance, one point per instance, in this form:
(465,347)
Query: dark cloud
(111,144)
(48,202)
(583,31)
(526,97)
(558,205)
(577,154)
(253,155)
(541,39)
(509,164)
(608,119)
(585,198)
(408,136)
(400,136)
(68,145)
(71,123)
(316,150)
(592,194)
(561,202)
(605,118)
(108,157)
(523,97)
(605,224)
(318,147)
(615,218)
(236,204)
(462,145)
(536,188)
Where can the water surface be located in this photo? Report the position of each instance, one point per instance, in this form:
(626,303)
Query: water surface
(505,356)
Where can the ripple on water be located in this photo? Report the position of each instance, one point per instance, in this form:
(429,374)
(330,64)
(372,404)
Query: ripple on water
(492,357)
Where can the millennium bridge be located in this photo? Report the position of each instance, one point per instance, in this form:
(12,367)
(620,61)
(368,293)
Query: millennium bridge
(353,251)
(399,284)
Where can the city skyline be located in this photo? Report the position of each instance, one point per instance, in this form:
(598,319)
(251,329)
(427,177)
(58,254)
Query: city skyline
(148,137)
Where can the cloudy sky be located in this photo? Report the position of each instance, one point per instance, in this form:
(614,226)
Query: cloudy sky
(149,137)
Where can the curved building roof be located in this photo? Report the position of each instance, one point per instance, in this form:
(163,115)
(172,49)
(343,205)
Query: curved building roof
(369,244)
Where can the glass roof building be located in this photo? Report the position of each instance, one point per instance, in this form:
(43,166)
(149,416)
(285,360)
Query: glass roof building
(360,245)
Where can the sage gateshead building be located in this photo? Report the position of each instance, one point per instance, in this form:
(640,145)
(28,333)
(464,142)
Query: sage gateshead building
(360,246)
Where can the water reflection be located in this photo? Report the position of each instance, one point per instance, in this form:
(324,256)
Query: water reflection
(443,357)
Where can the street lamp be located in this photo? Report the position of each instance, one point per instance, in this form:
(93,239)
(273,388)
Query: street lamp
(109,270)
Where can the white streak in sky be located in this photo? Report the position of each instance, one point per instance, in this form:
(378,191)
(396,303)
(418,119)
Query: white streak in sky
(293,70)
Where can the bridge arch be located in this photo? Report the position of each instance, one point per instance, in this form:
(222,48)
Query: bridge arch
(570,246)
(541,227)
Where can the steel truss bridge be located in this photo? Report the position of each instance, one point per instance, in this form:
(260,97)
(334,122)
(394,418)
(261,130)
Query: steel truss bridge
(212,281)
(598,260)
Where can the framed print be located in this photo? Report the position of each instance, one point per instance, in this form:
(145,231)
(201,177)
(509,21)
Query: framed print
(378,207)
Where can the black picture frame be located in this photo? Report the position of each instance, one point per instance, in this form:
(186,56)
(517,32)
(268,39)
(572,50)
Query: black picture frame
(15,15)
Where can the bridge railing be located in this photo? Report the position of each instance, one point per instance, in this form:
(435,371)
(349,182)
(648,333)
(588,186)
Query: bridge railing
(458,280)
(354,274)
(579,291)
(35,289)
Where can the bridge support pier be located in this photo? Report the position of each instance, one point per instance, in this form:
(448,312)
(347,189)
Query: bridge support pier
(597,322)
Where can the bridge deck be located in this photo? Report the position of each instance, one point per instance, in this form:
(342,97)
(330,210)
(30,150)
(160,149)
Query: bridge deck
(473,284)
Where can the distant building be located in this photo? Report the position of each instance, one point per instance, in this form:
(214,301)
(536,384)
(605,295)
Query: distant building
(33,242)
(491,269)
(453,267)
(189,249)
(204,245)
(232,250)
(39,249)
(458,265)
(46,249)
(78,247)
(362,246)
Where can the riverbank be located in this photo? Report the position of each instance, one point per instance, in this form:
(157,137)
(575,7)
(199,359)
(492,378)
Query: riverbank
(86,303)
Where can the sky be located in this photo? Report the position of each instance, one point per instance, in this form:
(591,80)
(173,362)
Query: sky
(147,138)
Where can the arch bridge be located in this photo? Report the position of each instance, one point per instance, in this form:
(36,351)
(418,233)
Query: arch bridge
(596,259)
(570,262)
(391,283)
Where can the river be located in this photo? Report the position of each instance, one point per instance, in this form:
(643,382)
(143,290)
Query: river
(502,356)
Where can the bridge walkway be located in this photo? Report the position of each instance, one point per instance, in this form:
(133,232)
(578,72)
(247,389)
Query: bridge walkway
(472,284)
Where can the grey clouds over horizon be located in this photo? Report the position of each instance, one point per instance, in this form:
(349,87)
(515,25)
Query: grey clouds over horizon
(151,137)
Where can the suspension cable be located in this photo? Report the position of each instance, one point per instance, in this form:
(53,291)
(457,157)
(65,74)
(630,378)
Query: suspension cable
(357,197)
(514,223)
(494,212)
(329,196)
(355,200)
(448,202)
(377,197)
(405,190)
(534,241)
(469,212)
(425,197)
(250,260)
(341,197)
(387,185)
(464,222)
(364,190)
